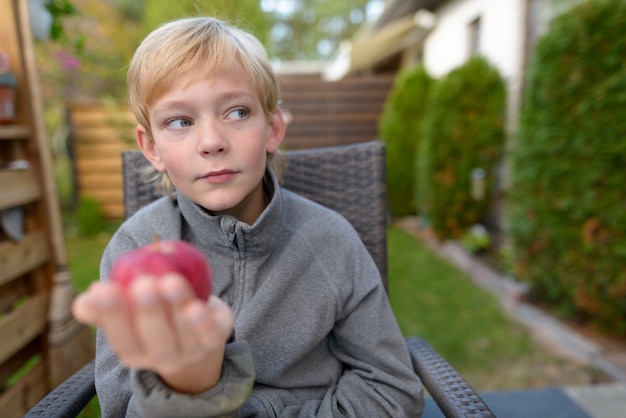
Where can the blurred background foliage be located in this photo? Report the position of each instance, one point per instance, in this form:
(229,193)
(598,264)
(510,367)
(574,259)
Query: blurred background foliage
(555,217)
(567,207)
(564,199)
(92,41)
(462,144)
(400,127)
(109,31)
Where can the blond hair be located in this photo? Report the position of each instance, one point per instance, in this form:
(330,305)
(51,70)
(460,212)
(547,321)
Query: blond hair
(192,49)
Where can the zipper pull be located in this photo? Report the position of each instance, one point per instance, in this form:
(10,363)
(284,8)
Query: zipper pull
(232,237)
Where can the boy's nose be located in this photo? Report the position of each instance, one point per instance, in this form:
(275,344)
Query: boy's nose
(211,140)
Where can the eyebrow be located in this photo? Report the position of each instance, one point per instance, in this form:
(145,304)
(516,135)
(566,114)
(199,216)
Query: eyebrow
(235,94)
(170,105)
(165,108)
(178,103)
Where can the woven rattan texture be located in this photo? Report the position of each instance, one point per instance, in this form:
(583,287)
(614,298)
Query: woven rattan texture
(138,191)
(350,180)
(69,398)
(453,394)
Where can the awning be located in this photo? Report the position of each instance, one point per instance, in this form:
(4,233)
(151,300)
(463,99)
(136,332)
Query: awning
(372,46)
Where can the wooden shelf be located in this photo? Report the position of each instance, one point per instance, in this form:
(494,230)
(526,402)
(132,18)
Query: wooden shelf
(22,324)
(24,256)
(14,132)
(23,188)
(34,282)
(27,264)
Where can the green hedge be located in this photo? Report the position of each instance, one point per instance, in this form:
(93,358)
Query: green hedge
(567,205)
(399,128)
(463,130)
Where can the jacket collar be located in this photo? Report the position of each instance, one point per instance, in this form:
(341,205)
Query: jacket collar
(225,231)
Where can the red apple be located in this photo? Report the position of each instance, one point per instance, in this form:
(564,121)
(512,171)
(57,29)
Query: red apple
(162,257)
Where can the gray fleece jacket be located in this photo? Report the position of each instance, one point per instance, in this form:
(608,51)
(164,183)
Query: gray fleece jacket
(314,332)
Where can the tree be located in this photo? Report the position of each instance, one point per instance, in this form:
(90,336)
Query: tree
(111,30)
(566,202)
(400,127)
(246,14)
(312,29)
(462,134)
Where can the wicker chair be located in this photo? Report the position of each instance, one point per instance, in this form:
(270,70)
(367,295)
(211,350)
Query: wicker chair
(349,179)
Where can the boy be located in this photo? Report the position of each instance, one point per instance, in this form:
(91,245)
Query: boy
(299,324)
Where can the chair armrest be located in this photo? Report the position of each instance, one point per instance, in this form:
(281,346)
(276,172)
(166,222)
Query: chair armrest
(70,397)
(454,396)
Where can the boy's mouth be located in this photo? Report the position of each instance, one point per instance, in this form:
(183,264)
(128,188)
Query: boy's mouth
(221,176)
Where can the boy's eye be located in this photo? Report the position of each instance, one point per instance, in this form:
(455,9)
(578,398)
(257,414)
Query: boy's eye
(178,123)
(240,113)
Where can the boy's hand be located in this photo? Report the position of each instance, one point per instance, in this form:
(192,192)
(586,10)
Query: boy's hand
(160,325)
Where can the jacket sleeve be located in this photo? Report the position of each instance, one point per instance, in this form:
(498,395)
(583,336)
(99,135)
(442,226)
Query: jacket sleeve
(123,392)
(140,393)
(151,398)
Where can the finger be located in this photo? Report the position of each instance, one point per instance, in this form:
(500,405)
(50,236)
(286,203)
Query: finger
(115,321)
(153,323)
(175,290)
(212,322)
(223,315)
(84,309)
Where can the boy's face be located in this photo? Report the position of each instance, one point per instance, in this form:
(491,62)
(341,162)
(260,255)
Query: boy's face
(211,137)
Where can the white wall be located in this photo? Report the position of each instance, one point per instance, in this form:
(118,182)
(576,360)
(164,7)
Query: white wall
(502,32)
(502,39)
(542,12)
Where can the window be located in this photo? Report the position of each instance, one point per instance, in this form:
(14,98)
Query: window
(474,30)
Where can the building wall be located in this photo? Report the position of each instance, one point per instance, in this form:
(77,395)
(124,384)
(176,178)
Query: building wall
(501,41)
(508,31)
(541,13)
(502,23)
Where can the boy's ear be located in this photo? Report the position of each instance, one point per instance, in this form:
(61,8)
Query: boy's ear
(148,148)
(277,129)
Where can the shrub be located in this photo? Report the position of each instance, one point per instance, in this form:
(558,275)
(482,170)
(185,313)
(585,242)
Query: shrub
(463,130)
(566,206)
(90,219)
(400,129)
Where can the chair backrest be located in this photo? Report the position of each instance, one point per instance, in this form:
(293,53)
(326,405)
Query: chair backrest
(349,179)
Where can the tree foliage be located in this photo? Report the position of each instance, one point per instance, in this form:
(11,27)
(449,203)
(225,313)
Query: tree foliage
(566,206)
(246,14)
(463,131)
(111,30)
(314,28)
(400,128)
(99,66)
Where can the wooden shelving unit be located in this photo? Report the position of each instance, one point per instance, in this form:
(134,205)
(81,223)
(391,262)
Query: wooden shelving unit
(32,263)
(14,132)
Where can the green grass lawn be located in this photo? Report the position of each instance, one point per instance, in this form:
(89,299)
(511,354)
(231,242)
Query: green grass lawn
(84,252)
(84,255)
(434,300)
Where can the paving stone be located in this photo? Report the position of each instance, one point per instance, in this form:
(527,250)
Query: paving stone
(600,401)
